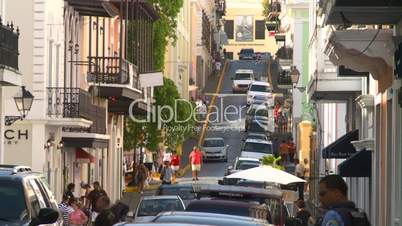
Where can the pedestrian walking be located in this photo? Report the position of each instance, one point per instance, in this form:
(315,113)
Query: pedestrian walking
(93,198)
(149,162)
(106,218)
(140,177)
(195,160)
(302,213)
(291,150)
(333,196)
(299,172)
(175,163)
(284,151)
(166,173)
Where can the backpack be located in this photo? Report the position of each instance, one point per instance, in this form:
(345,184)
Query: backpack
(353,217)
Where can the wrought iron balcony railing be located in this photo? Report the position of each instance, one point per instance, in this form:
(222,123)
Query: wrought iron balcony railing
(76,103)
(107,70)
(285,80)
(9,45)
(63,102)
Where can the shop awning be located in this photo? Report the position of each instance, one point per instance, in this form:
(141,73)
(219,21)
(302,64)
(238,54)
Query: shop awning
(341,148)
(358,165)
(82,156)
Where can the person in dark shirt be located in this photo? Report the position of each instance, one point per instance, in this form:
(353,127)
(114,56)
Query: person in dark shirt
(302,213)
(70,191)
(95,194)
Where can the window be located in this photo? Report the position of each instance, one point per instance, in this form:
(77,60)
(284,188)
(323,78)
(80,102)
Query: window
(260,88)
(12,205)
(259,29)
(50,64)
(243,76)
(33,201)
(229,29)
(153,207)
(258,147)
(213,143)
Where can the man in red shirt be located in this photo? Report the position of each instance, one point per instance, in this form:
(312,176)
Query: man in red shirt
(175,161)
(195,160)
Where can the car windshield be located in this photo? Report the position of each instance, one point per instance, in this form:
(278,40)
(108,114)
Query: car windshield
(262,137)
(257,127)
(260,88)
(214,143)
(222,209)
(184,193)
(243,76)
(247,165)
(153,207)
(258,147)
(258,112)
(12,206)
(247,51)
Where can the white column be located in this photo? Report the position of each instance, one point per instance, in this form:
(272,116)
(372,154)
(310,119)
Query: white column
(1,124)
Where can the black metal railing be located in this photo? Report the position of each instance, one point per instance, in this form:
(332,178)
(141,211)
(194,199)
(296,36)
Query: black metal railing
(220,6)
(9,45)
(107,70)
(63,102)
(284,78)
(76,103)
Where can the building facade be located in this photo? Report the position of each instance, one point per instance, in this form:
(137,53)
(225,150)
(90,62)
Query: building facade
(246,30)
(177,57)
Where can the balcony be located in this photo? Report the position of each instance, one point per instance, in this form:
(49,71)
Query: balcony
(361,11)
(9,74)
(73,108)
(327,85)
(284,80)
(220,8)
(117,80)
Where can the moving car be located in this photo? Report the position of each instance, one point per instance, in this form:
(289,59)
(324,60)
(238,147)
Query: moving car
(185,191)
(214,149)
(258,136)
(208,218)
(246,54)
(258,125)
(267,101)
(242,163)
(253,148)
(150,206)
(258,88)
(242,80)
(258,113)
(26,198)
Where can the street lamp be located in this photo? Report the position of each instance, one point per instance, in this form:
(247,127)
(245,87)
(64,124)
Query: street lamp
(23,101)
(295,75)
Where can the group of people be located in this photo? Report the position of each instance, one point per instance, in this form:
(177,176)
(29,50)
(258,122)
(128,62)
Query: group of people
(280,118)
(93,208)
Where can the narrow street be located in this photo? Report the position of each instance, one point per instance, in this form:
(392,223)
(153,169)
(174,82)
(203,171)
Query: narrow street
(232,132)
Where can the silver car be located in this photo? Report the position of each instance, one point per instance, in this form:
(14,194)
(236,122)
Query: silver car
(151,206)
(215,149)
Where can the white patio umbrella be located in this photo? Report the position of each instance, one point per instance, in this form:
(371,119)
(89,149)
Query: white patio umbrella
(266,174)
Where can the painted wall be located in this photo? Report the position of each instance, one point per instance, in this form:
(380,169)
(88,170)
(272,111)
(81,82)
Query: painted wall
(254,9)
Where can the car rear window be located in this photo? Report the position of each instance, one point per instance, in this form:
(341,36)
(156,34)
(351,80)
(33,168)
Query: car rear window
(154,206)
(13,207)
(260,88)
(247,51)
(213,143)
(247,165)
(243,76)
(258,147)
(184,193)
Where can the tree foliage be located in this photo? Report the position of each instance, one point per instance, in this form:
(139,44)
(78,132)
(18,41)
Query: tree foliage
(165,28)
(266,8)
(270,160)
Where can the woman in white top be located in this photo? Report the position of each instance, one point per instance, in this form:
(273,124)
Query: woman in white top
(148,160)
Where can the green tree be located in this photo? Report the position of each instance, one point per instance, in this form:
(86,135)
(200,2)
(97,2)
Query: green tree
(270,160)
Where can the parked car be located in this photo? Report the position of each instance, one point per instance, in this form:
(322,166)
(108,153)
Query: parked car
(158,224)
(265,55)
(229,207)
(258,88)
(214,149)
(26,198)
(257,113)
(258,125)
(242,80)
(271,198)
(246,54)
(150,206)
(253,148)
(208,218)
(268,101)
(242,164)
(185,191)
